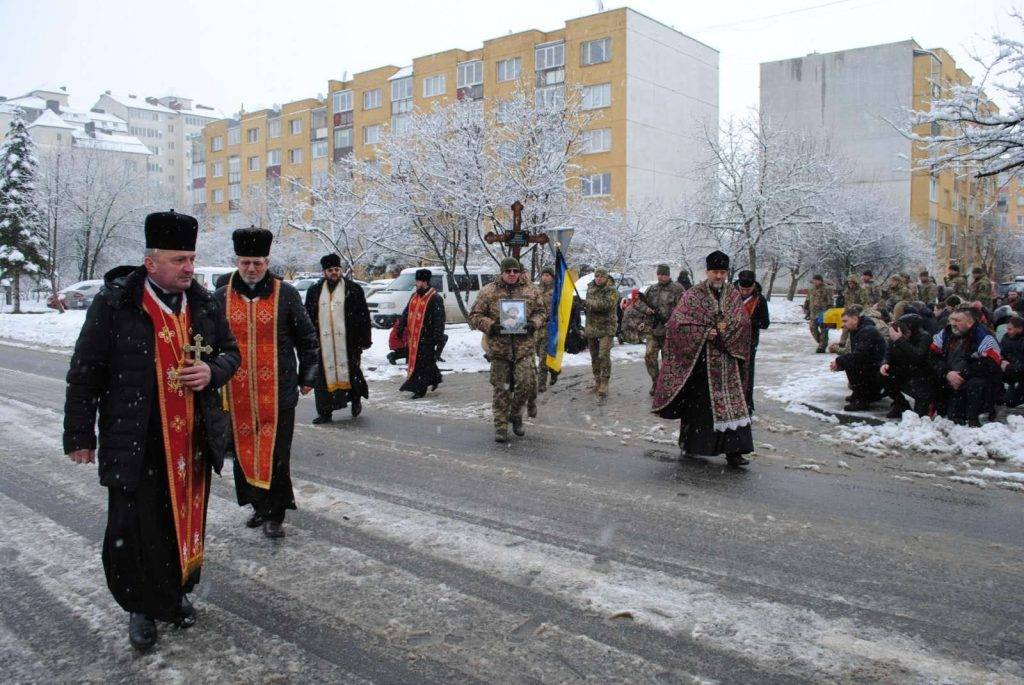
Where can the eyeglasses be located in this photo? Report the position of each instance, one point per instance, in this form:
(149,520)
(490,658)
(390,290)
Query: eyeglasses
(511,271)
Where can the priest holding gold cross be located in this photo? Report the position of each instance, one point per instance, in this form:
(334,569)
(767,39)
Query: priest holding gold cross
(153,351)
(272,328)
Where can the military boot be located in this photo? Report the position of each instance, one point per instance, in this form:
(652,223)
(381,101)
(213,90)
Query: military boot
(602,389)
(517,426)
(501,434)
(531,409)
(141,631)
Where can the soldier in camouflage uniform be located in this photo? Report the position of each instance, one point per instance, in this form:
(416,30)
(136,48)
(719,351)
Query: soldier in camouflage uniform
(513,373)
(602,316)
(981,288)
(546,287)
(659,301)
(955,283)
(872,294)
(853,293)
(927,289)
(897,290)
(820,297)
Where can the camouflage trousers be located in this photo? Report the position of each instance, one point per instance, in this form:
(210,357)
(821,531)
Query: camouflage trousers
(655,347)
(507,401)
(601,357)
(542,360)
(819,331)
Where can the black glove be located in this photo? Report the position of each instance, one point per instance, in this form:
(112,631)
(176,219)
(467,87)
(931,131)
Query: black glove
(530,328)
(495,329)
(658,320)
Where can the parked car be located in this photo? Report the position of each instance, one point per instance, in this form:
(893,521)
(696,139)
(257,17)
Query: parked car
(1016,284)
(303,284)
(378,285)
(388,304)
(77,296)
(207,276)
(624,284)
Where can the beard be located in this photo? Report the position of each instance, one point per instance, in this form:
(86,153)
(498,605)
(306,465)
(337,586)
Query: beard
(251,280)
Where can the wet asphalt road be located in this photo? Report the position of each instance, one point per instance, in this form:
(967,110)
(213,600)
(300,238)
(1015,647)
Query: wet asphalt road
(424,552)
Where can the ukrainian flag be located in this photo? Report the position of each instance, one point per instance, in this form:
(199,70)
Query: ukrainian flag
(561,309)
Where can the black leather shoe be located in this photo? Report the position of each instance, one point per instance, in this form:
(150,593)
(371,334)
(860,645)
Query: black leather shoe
(186,613)
(141,631)
(357,408)
(418,395)
(736,461)
(392,359)
(273,529)
(517,426)
(896,411)
(322,418)
(255,521)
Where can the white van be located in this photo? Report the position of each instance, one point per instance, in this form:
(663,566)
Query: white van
(207,276)
(388,304)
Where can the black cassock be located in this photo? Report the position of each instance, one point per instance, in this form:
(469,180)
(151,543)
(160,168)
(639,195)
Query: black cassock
(426,374)
(357,338)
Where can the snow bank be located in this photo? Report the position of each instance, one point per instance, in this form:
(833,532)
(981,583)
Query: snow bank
(1001,441)
(781,310)
(50,328)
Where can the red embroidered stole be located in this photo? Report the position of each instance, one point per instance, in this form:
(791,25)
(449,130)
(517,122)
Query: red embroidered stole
(252,392)
(186,470)
(750,304)
(414,325)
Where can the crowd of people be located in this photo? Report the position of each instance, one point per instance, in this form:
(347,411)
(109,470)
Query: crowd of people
(952,350)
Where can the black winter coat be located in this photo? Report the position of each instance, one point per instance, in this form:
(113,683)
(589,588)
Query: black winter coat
(867,348)
(971,366)
(112,371)
(1012,350)
(358,333)
(908,357)
(759,320)
(295,336)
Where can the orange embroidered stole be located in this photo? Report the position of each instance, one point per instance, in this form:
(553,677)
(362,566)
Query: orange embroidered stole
(186,468)
(414,325)
(252,391)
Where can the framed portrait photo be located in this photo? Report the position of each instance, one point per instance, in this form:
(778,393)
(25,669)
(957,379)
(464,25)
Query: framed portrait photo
(512,315)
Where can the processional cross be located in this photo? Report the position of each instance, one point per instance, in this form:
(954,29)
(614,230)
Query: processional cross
(198,347)
(517,238)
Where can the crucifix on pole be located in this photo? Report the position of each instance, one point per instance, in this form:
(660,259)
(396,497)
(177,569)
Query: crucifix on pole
(517,238)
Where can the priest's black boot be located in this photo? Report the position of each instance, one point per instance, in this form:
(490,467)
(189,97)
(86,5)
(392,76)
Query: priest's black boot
(186,613)
(357,407)
(141,631)
(273,529)
(736,461)
(322,418)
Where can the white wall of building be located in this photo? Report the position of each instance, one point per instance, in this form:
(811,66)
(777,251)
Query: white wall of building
(672,91)
(845,98)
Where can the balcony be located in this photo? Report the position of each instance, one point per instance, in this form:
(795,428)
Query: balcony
(475,92)
(274,172)
(319,133)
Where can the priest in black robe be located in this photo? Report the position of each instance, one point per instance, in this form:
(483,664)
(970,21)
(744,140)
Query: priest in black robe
(422,326)
(154,348)
(702,380)
(337,307)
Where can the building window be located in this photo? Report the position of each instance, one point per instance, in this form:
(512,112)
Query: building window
(295,155)
(342,101)
(470,73)
(549,56)
(551,97)
(597,185)
(295,126)
(371,134)
(234,169)
(273,158)
(1020,220)
(596,51)
(254,163)
(199,170)
(234,192)
(342,138)
(434,86)
(218,196)
(933,189)
(933,231)
(401,89)
(598,140)
(509,69)
(941,233)
(218,169)
(372,99)
(234,136)
(216,144)
(319,148)
(253,190)
(274,128)
(596,97)
(199,196)
(252,135)
(400,123)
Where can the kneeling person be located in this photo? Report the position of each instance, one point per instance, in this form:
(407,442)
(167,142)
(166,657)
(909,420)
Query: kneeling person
(513,374)
(271,326)
(863,361)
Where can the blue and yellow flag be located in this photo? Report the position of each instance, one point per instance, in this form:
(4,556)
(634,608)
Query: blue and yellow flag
(561,309)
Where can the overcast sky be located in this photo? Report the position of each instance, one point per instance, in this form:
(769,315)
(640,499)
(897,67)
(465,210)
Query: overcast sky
(260,52)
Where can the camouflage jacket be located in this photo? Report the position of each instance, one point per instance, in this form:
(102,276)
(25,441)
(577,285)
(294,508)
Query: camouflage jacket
(819,298)
(927,292)
(897,293)
(486,313)
(854,294)
(981,290)
(664,299)
(602,309)
(545,298)
(957,286)
(872,294)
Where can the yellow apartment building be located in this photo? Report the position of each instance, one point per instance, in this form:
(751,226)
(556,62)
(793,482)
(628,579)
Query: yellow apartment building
(652,91)
(849,97)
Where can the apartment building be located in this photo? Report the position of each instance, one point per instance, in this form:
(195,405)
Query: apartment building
(849,98)
(166,125)
(652,91)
